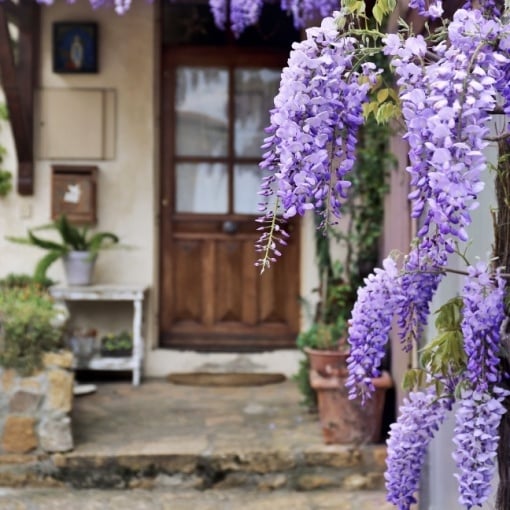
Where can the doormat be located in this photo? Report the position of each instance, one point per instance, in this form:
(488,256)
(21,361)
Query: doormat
(225,379)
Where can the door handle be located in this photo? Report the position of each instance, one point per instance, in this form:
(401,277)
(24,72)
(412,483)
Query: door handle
(229,227)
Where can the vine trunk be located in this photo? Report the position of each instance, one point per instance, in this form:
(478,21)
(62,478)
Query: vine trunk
(502,252)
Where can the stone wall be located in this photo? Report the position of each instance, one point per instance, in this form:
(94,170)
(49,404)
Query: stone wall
(35,411)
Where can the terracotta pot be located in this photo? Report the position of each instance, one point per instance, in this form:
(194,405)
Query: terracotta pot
(327,363)
(345,421)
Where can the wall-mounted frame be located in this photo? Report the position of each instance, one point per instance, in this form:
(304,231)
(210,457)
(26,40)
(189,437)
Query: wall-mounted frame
(75,47)
(74,193)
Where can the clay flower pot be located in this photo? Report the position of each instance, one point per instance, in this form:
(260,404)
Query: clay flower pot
(345,421)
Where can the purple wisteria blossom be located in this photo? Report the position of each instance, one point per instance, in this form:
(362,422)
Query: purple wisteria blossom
(313,129)
(503,80)
(476,438)
(418,284)
(122,6)
(371,324)
(445,105)
(244,13)
(421,414)
(307,12)
(434,9)
(480,409)
(489,7)
(219,12)
(482,315)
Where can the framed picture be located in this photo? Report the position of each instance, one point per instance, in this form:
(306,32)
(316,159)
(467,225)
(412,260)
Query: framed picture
(75,47)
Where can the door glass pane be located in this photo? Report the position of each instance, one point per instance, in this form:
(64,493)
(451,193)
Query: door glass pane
(201,106)
(255,91)
(246,186)
(201,188)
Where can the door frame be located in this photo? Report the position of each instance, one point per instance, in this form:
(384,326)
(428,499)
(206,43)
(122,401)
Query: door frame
(193,56)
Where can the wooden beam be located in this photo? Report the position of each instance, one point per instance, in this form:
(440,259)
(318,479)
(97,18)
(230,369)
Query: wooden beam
(18,81)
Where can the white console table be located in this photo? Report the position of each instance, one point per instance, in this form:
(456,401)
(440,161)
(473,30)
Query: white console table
(134,293)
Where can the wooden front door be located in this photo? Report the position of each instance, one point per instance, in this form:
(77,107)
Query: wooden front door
(216,101)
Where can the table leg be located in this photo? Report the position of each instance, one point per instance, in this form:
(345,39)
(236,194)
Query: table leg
(137,341)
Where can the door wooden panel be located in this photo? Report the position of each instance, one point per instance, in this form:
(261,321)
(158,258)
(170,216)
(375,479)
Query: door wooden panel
(188,258)
(229,281)
(212,296)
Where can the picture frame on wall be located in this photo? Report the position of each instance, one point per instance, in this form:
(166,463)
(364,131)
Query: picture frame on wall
(75,47)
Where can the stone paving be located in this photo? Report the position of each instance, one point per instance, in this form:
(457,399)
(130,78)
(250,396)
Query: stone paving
(165,446)
(161,499)
(209,437)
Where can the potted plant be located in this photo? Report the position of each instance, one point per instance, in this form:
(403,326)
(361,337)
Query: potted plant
(323,372)
(117,344)
(78,248)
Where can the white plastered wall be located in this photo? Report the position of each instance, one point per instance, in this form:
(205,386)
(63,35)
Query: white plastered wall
(127,181)
(127,189)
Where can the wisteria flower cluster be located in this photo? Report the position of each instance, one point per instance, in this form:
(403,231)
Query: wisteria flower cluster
(422,413)
(313,130)
(433,10)
(483,312)
(480,409)
(446,89)
(474,385)
(308,12)
(445,104)
(240,14)
(245,13)
(476,438)
(379,294)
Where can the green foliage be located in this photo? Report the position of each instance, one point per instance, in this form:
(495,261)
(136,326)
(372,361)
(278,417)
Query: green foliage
(5,178)
(72,238)
(301,378)
(27,327)
(382,8)
(322,336)
(4,112)
(122,341)
(13,280)
(5,175)
(355,7)
(445,354)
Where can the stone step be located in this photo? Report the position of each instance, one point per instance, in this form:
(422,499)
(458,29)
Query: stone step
(170,499)
(321,467)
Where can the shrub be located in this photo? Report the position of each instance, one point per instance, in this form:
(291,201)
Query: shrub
(30,325)
(24,280)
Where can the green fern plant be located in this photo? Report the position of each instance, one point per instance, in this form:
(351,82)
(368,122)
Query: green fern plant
(72,238)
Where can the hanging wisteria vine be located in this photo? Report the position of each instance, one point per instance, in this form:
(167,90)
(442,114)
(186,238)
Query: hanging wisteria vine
(239,14)
(448,80)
